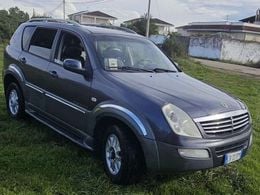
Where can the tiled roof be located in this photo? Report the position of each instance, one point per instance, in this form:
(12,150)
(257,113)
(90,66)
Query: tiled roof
(94,13)
(154,20)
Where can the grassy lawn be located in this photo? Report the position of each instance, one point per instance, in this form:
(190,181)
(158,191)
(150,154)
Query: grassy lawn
(35,160)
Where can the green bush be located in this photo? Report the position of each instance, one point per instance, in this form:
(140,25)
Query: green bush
(176,46)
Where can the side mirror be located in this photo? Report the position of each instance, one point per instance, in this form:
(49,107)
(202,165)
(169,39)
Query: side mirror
(73,66)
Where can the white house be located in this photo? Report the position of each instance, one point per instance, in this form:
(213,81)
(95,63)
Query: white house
(95,17)
(163,27)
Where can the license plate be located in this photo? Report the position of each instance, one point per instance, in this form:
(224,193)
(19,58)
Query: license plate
(231,157)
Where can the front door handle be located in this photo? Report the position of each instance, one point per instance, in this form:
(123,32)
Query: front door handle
(23,60)
(54,74)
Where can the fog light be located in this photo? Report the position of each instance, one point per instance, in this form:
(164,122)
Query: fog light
(251,140)
(194,153)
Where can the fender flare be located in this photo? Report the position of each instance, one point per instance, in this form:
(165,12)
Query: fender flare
(139,126)
(137,123)
(17,73)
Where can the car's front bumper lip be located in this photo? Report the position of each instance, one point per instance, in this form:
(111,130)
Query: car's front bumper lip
(171,160)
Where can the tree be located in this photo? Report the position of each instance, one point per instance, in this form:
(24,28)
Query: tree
(10,20)
(139,26)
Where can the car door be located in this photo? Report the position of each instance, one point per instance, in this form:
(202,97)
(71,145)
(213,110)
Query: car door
(35,58)
(68,94)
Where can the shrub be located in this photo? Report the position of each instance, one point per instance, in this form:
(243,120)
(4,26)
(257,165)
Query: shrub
(176,46)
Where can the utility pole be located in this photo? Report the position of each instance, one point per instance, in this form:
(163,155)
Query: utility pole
(64,9)
(148,19)
(227,18)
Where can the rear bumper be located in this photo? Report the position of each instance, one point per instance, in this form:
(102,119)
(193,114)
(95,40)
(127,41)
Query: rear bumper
(169,158)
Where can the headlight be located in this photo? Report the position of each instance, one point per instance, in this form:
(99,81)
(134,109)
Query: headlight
(180,122)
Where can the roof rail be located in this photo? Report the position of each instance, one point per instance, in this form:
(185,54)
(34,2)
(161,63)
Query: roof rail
(112,27)
(53,20)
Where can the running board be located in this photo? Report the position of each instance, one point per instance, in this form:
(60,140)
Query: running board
(71,136)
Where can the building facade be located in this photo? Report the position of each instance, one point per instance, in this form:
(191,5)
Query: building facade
(238,42)
(95,17)
(164,28)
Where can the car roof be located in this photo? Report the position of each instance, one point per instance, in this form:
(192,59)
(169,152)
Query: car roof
(89,29)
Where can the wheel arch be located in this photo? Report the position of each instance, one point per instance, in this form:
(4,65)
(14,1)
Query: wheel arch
(111,113)
(13,74)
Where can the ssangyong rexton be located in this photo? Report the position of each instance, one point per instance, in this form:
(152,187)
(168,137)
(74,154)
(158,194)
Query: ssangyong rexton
(115,92)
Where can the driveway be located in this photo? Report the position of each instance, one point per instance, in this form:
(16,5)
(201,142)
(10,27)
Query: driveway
(230,67)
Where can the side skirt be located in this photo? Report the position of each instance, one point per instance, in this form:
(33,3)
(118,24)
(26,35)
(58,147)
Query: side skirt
(81,141)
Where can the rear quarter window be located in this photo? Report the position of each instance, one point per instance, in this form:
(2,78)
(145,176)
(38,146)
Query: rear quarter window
(27,34)
(15,41)
(42,41)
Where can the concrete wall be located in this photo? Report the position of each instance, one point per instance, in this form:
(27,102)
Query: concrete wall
(225,48)
(240,51)
(205,47)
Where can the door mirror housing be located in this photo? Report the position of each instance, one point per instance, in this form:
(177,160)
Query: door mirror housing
(74,66)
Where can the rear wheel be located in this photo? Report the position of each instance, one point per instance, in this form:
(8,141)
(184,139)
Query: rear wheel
(15,101)
(121,155)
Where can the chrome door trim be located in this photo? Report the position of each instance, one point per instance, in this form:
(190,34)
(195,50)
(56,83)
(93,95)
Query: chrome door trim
(67,103)
(220,116)
(57,98)
(129,113)
(34,87)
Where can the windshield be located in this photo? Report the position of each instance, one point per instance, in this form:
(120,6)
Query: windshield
(125,54)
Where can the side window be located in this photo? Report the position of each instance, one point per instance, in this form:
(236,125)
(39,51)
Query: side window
(27,34)
(70,47)
(42,41)
(15,41)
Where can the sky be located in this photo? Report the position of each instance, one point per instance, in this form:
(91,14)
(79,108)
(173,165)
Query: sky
(177,12)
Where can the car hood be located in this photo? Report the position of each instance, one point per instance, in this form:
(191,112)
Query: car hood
(193,96)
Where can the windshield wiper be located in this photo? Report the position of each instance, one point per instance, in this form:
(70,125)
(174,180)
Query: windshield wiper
(162,70)
(134,69)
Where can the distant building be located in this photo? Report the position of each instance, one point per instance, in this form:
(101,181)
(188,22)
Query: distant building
(163,27)
(234,30)
(252,19)
(229,41)
(95,17)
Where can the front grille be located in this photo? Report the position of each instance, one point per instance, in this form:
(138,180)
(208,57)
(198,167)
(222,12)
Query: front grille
(220,151)
(224,124)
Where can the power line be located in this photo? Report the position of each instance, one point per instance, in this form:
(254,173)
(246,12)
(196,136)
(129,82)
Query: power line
(54,9)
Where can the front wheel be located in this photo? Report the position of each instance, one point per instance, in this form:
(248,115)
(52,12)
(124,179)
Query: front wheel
(121,155)
(15,101)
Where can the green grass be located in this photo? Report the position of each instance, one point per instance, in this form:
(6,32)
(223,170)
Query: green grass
(35,160)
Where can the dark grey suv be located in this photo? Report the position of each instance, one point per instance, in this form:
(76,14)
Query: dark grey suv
(115,92)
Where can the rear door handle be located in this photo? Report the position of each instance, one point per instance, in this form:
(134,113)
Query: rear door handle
(54,74)
(23,60)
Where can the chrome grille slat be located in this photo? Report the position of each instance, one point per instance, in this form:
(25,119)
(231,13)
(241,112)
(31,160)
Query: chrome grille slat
(224,124)
(219,131)
(217,127)
(239,118)
(215,123)
(240,122)
(239,126)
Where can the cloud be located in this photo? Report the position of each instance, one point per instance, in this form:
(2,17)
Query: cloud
(178,12)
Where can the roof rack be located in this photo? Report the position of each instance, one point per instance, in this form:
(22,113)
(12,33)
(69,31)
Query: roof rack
(53,20)
(112,27)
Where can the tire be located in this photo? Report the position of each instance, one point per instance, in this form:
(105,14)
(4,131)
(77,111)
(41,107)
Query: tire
(15,101)
(130,156)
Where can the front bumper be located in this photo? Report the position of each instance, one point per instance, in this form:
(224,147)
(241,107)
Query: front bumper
(171,160)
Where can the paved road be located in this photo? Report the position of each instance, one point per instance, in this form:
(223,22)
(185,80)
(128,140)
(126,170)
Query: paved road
(230,67)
